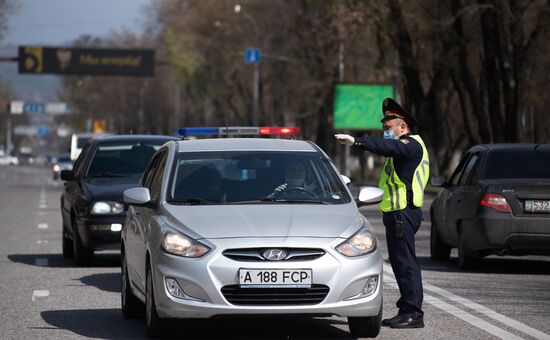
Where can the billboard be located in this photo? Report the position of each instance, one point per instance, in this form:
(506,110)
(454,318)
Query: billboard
(359,106)
(86,61)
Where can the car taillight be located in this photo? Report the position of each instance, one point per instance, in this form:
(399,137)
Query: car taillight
(496,202)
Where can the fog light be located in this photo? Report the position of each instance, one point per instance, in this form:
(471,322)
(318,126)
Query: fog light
(116,227)
(368,289)
(174,288)
(371,285)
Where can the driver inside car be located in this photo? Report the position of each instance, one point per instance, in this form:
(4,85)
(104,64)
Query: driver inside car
(295,181)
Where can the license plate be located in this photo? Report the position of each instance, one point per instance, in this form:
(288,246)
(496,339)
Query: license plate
(275,278)
(537,206)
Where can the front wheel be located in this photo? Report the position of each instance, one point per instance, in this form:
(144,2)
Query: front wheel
(132,307)
(82,255)
(154,323)
(67,244)
(366,327)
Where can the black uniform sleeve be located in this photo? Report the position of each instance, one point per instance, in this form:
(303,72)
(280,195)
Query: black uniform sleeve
(405,147)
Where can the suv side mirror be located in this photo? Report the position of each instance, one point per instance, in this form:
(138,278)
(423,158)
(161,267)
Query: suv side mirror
(67,175)
(438,181)
(369,196)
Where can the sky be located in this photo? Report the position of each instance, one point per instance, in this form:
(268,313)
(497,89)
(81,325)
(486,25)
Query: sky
(51,22)
(58,23)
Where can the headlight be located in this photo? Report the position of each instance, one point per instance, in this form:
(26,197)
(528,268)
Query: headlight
(361,243)
(56,168)
(102,208)
(181,245)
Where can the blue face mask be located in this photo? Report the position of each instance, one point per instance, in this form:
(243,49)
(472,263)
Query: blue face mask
(389,134)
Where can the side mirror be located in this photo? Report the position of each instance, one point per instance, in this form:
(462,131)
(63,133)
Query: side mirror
(438,181)
(369,196)
(138,196)
(67,175)
(346,179)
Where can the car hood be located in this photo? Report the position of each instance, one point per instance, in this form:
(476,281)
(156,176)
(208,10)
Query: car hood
(285,220)
(109,189)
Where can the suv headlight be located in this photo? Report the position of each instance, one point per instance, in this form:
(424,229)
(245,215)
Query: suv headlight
(181,245)
(107,207)
(360,243)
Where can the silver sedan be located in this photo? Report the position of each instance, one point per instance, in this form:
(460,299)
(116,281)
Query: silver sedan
(246,226)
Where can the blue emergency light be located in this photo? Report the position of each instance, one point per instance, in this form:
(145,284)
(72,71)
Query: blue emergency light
(238,130)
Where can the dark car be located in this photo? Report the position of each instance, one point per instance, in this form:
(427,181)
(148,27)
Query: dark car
(497,201)
(91,204)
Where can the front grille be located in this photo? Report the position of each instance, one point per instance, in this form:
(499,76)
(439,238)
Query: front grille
(275,296)
(255,254)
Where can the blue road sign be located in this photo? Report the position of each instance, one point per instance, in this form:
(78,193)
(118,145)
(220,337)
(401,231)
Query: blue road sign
(252,56)
(33,107)
(43,131)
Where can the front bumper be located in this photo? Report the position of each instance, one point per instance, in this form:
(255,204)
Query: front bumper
(203,279)
(508,233)
(95,231)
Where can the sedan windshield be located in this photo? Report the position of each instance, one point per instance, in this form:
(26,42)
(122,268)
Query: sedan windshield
(121,159)
(255,177)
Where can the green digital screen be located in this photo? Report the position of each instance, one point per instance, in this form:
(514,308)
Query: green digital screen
(359,106)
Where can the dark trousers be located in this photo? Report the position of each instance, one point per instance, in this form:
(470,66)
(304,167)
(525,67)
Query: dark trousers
(403,258)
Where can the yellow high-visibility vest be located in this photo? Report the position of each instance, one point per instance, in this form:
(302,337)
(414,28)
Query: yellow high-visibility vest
(395,191)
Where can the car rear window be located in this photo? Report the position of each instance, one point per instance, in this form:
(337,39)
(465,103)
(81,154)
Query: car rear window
(121,159)
(518,163)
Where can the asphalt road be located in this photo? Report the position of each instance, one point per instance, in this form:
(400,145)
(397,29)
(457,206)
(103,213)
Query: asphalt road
(43,296)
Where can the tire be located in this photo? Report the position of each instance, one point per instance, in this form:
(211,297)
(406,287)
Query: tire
(366,327)
(82,256)
(439,251)
(67,244)
(154,324)
(132,307)
(465,258)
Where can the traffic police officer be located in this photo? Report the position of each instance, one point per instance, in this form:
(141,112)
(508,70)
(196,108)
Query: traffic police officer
(403,179)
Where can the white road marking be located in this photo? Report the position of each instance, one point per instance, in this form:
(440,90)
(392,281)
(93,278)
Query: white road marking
(42,262)
(41,241)
(461,314)
(42,206)
(40,294)
(42,226)
(488,312)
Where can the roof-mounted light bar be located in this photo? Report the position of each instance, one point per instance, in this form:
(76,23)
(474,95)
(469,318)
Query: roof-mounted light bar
(238,130)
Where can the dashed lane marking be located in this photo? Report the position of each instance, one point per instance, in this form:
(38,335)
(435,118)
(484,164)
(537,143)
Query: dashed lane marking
(36,294)
(41,241)
(42,226)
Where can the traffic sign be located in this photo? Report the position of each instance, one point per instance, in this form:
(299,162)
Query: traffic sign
(252,56)
(33,107)
(86,61)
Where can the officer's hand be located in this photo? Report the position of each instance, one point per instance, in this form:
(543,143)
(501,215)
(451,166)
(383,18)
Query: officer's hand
(344,139)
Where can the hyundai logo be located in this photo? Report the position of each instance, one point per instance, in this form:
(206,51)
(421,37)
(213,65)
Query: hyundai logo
(274,254)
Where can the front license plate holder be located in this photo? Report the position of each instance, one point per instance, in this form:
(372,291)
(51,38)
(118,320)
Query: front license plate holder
(275,278)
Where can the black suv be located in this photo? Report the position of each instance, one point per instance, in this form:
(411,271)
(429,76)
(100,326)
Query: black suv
(91,204)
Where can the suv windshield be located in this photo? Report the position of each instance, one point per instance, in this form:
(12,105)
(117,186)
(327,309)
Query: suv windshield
(518,163)
(255,177)
(121,159)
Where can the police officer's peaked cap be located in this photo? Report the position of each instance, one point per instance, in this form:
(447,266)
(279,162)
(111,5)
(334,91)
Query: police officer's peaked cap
(391,110)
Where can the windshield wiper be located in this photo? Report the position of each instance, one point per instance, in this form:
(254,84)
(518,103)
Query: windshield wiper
(190,201)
